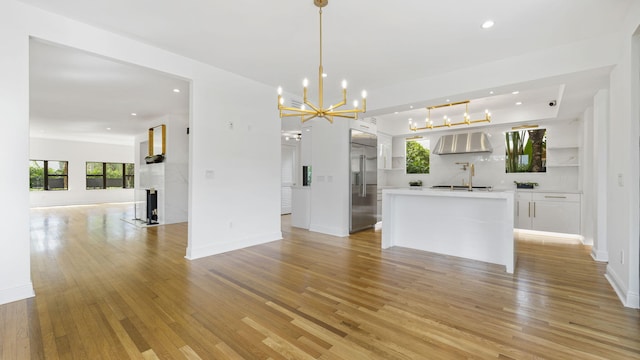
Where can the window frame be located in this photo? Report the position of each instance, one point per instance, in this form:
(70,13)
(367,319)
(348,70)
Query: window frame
(104,176)
(46,175)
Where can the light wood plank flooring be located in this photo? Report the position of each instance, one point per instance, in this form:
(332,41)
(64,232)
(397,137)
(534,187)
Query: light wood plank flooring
(109,290)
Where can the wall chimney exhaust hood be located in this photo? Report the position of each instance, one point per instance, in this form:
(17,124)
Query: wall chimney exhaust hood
(465,143)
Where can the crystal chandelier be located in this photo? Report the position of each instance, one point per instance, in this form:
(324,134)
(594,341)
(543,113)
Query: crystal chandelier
(446,121)
(318,110)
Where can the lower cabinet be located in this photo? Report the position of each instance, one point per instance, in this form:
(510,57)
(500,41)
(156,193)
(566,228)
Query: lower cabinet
(555,212)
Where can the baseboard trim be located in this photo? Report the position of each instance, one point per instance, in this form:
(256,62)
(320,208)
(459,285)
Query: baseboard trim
(599,256)
(16,293)
(328,230)
(220,248)
(629,299)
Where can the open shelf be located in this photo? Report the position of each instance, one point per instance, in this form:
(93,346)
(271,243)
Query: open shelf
(563,156)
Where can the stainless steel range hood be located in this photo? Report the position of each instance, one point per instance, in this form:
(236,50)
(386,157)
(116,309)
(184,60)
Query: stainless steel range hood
(477,142)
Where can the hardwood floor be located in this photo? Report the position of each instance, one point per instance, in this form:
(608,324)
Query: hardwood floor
(106,289)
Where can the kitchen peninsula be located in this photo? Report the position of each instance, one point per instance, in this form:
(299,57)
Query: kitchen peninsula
(475,225)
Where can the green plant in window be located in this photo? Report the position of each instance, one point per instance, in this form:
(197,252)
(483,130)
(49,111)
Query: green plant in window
(417,158)
(36,175)
(525,151)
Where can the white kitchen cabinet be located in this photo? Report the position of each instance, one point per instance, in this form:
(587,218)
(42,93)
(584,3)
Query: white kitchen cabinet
(384,151)
(523,211)
(554,212)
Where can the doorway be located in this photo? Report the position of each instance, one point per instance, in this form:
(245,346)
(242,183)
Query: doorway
(288,161)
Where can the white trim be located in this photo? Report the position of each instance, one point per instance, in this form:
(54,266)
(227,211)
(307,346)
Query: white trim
(633,300)
(220,248)
(599,255)
(328,230)
(16,293)
(628,299)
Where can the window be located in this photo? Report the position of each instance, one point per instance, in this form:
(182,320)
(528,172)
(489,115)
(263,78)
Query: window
(110,175)
(526,151)
(95,177)
(129,171)
(417,152)
(48,175)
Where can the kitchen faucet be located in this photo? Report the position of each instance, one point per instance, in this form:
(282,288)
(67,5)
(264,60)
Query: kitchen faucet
(472,172)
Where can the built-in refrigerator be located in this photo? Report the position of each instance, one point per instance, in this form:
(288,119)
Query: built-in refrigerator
(363,173)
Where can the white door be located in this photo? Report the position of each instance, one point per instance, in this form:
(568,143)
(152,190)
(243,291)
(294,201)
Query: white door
(287,180)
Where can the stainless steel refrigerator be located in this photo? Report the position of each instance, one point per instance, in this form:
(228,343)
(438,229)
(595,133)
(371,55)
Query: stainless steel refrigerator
(364,180)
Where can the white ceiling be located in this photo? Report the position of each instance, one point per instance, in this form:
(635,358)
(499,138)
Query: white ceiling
(76,95)
(372,44)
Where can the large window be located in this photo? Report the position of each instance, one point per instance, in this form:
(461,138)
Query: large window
(48,175)
(417,156)
(526,151)
(109,175)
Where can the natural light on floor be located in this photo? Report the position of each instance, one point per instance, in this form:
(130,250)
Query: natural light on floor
(547,237)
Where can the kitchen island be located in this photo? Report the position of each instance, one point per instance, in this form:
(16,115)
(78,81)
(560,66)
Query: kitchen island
(475,225)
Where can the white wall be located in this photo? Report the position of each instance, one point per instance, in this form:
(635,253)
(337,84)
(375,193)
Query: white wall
(490,167)
(597,174)
(623,182)
(236,207)
(78,153)
(15,278)
(330,183)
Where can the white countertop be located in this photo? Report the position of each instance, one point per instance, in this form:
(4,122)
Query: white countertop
(537,190)
(484,194)
(555,191)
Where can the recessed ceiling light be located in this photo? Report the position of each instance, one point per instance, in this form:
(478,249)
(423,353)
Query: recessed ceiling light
(519,103)
(516,92)
(324,74)
(488,24)
(410,106)
(134,114)
(396,112)
(176,90)
(490,92)
(448,100)
(108,128)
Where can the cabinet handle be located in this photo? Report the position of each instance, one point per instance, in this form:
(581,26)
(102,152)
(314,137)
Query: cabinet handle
(554,197)
(529,208)
(518,208)
(534,209)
